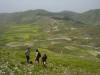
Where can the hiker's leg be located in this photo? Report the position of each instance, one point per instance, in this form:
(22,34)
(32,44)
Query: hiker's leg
(28,59)
(42,62)
(38,61)
(45,64)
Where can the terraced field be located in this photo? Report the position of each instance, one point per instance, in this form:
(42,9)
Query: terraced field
(65,56)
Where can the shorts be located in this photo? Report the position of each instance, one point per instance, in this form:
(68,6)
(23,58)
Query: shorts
(44,62)
(37,59)
(27,57)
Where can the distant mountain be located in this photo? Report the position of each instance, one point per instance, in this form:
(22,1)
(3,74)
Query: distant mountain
(35,16)
(3,15)
(90,17)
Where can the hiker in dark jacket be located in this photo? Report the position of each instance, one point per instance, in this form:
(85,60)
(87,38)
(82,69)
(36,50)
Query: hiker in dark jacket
(37,57)
(27,54)
(44,58)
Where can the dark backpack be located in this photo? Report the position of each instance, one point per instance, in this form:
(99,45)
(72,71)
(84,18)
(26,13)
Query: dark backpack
(39,54)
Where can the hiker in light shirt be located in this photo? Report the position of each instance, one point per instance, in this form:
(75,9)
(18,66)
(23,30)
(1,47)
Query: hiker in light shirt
(27,54)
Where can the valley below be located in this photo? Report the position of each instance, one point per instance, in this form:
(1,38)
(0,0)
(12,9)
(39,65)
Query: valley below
(72,46)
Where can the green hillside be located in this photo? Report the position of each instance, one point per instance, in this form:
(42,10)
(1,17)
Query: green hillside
(72,46)
(33,16)
(91,17)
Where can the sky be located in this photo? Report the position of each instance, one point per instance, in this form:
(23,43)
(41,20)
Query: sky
(50,5)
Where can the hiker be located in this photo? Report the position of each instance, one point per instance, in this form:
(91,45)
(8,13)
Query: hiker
(27,53)
(44,58)
(37,57)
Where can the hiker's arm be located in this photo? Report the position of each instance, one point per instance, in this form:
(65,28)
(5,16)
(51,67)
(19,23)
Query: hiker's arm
(35,55)
(46,57)
(25,52)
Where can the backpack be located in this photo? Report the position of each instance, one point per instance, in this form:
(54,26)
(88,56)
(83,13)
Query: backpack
(39,54)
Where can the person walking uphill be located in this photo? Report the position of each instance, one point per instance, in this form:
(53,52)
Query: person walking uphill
(37,57)
(27,53)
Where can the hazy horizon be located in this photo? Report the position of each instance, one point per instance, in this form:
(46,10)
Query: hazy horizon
(49,5)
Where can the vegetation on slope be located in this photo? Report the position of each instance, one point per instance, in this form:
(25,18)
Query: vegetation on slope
(90,17)
(73,47)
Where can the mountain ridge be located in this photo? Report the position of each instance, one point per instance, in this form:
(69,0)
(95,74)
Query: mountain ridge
(89,17)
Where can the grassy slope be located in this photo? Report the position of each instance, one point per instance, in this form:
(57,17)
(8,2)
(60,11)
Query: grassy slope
(64,56)
(13,61)
(90,17)
(72,47)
